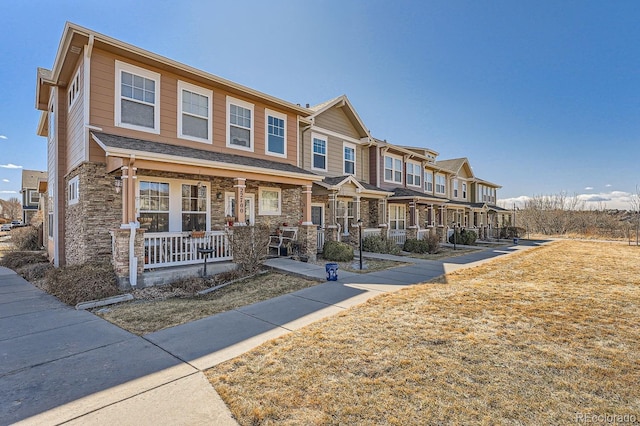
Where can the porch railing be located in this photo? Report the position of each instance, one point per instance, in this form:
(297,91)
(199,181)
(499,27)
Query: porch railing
(367,232)
(398,236)
(163,249)
(320,240)
(422,234)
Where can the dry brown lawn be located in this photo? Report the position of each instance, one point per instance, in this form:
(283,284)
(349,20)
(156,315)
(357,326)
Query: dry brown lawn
(146,316)
(537,337)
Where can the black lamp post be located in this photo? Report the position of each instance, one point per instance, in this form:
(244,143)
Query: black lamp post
(455,237)
(360,236)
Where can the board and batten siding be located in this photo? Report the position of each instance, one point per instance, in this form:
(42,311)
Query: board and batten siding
(102,112)
(75,122)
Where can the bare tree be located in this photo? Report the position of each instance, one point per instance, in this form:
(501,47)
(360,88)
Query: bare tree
(635,208)
(13,209)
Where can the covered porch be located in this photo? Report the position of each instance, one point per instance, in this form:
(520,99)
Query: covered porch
(181,206)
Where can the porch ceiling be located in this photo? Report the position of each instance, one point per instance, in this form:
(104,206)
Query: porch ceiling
(157,155)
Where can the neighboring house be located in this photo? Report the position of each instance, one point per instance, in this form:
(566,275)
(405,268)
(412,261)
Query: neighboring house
(142,150)
(30,193)
(336,146)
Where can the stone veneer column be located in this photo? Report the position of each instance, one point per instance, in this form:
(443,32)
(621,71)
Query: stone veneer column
(120,258)
(412,233)
(308,238)
(331,233)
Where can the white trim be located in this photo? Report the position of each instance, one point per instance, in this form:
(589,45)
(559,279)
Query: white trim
(344,160)
(30,193)
(326,150)
(429,173)
(337,135)
(322,207)
(281,116)
(262,212)
(86,95)
(248,214)
(435,182)
(393,169)
(182,86)
(73,196)
(245,105)
(141,72)
(73,93)
(455,186)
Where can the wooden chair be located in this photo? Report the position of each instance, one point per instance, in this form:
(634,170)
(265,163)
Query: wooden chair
(282,243)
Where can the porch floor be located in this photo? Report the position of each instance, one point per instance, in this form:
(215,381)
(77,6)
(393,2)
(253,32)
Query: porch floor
(160,276)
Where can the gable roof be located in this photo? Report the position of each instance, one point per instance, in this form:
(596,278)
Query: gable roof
(119,145)
(337,181)
(454,164)
(30,178)
(343,102)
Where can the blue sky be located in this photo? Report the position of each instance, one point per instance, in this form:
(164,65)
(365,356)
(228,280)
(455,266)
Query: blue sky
(541,96)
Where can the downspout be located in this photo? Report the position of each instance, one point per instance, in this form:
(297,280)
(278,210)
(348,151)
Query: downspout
(88,49)
(133,260)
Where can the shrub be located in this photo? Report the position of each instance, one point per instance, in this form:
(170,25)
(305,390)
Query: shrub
(81,283)
(377,244)
(25,238)
(190,285)
(337,251)
(35,271)
(249,245)
(464,237)
(433,241)
(18,259)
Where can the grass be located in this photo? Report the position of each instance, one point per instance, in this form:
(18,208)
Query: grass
(369,264)
(531,338)
(443,252)
(146,316)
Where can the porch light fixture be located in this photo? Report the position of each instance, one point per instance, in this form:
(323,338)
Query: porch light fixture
(118,183)
(218,195)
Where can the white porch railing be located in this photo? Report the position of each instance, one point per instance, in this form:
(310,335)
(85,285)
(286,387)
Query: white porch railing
(422,234)
(398,236)
(367,232)
(320,240)
(163,249)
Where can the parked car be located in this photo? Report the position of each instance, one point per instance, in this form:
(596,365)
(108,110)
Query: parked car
(5,227)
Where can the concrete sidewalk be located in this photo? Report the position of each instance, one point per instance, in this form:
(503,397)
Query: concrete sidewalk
(60,365)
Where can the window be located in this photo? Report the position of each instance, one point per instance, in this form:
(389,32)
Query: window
(269,201)
(317,215)
(397,213)
(428,181)
(392,169)
(239,124)
(440,184)
(137,104)
(319,154)
(194,112)
(50,211)
(464,191)
(276,133)
(34,197)
(74,89)
(455,188)
(154,206)
(194,208)
(74,190)
(414,174)
(349,159)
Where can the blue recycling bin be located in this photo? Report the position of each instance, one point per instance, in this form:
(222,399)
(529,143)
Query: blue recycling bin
(332,271)
(515,241)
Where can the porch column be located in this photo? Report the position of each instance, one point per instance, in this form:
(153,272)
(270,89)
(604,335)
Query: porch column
(124,194)
(240,187)
(331,232)
(121,259)
(306,205)
(308,238)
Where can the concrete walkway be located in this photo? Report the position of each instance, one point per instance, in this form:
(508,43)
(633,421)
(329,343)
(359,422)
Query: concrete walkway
(60,365)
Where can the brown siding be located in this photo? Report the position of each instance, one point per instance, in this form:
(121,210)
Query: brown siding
(75,124)
(373,170)
(102,111)
(334,119)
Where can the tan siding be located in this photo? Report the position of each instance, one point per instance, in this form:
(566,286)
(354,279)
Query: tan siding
(334,119)
(75,124)
(102,112)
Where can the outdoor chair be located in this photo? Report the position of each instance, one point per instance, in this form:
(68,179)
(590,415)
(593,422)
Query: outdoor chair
(282,242)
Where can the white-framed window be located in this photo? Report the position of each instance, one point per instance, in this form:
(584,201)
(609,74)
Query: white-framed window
(154,206)
(50,210)
(74,89)
(319,152)
(137,98)
(73,188)
(239,124)
(349,154)
(464,190)
(414,174)
(270,201)
(194,112)
(317,214)
(392,169)
(194,207)
(455,188)
(397,216)
(440,184)
(428,181)
(275,133)
(34,196)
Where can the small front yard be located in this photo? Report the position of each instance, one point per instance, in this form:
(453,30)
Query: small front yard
(442,253)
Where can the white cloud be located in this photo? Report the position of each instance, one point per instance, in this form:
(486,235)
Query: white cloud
(608,185)
(3,137)
(10,166)
(5,180)
(589,188)
(8,192)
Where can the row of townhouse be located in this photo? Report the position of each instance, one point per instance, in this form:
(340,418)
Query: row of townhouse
(143,150)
